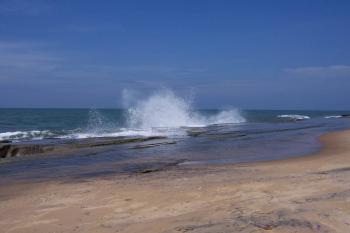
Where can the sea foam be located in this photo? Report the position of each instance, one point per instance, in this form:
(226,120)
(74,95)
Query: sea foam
(294,117)
(25,135)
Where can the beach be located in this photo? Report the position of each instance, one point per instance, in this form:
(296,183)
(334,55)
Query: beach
(174,117)
(304,194)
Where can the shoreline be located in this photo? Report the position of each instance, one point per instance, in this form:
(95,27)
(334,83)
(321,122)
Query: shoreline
(302,194)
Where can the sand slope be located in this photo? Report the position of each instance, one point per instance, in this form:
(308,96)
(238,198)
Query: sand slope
(309,194)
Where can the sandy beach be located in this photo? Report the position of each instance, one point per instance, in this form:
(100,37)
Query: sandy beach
(174,116)
(305,194)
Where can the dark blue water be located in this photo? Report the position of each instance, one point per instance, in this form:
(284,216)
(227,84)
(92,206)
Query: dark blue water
(210,136)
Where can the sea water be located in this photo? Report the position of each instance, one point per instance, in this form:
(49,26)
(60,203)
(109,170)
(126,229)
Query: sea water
(196,136)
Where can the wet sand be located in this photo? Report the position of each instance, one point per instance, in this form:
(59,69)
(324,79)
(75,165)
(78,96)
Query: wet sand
(305,194)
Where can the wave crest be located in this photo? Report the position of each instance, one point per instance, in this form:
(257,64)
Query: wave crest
(294,117)
(336,116)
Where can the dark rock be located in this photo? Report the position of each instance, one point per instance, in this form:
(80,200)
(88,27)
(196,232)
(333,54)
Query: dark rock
(194,133)
(337,170)
(109,142)
(143,146)
(5,141)
(150,170)
(193,227)
(10,150)
(4,150)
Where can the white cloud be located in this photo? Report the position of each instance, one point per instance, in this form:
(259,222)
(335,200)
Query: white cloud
(321,71)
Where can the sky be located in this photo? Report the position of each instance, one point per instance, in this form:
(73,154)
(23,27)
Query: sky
(292,54)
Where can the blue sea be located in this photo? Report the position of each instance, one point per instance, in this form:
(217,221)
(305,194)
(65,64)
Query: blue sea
(173,130)
(27,124)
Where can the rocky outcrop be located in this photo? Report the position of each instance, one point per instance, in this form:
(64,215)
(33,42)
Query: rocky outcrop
(9,149)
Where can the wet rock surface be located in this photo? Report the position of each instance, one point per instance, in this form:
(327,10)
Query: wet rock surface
(9,149)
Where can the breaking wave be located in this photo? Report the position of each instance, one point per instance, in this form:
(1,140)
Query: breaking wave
(166,110)
(77,134)
(27,135)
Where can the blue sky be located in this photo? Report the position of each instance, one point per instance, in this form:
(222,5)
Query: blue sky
(247,54)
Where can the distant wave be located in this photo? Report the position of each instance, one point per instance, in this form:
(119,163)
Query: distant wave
(294,117)
(336,116)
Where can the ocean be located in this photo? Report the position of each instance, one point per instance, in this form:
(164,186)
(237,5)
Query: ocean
(157,131)
(55,124)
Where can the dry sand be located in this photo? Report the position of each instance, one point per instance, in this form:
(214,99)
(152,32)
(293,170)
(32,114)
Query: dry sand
(307,194)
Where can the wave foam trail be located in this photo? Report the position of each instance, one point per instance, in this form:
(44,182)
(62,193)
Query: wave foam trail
(336,116)
(20,135)
(294,117)
(166,110)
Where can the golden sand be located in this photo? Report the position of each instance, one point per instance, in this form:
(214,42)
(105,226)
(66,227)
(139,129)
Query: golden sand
(306,194)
